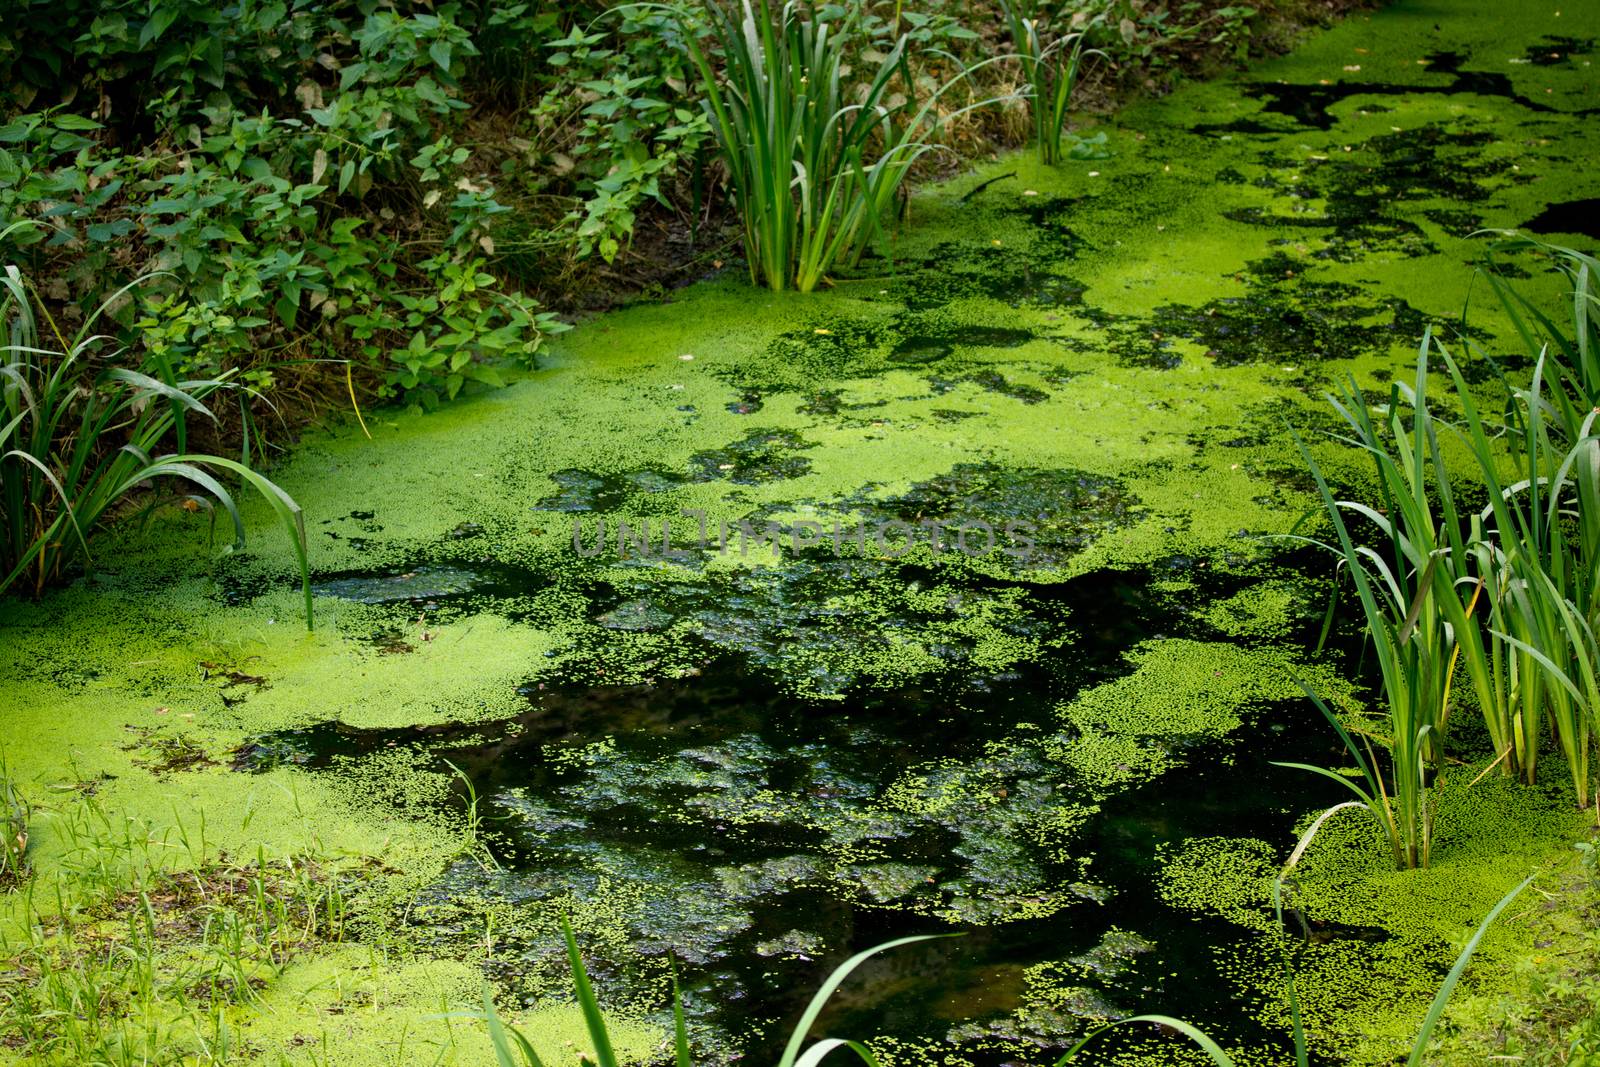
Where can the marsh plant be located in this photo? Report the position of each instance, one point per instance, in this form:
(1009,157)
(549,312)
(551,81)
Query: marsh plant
(81,436)
(14,815)
(1503,591)
(1051,68)
(148,939)
(817,137)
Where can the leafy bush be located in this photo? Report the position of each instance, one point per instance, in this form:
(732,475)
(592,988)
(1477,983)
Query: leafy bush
(313,207)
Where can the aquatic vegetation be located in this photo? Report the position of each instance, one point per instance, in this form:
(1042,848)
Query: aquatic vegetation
(59,477)
(1542,654)
(758,764)
(1051,71)
(1403,589)
(143,946)
(14,814)
(795,127)
(1530,652)
(1542,565)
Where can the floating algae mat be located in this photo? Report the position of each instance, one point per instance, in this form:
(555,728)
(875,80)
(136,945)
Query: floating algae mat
(769,627)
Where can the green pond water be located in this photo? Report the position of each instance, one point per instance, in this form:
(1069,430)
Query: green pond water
(757,762)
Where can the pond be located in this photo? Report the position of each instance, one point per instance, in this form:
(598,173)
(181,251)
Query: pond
(1032,638)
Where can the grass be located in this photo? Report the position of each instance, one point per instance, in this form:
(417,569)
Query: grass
(80,434)
(815,152)
(143,945)
(14,815)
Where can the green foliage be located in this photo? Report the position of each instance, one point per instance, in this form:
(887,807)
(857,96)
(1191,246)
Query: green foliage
(1153,36)
(816,152)
(78,442)
(14,815)
(1052,72)
(631,124)
(308,203)
(140,949)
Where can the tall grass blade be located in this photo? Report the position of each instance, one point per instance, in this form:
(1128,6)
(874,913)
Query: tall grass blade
(1188,1030)
(808,1018)
(592,1017)
(1436,1010)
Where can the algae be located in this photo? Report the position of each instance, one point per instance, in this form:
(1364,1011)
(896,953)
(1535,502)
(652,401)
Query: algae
(758,760)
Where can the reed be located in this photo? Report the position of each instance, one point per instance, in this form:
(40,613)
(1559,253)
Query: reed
(80,434)
(1051,72)
(816,156)
(1406,584)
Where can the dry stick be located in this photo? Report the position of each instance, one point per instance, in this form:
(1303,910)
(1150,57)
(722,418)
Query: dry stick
(981,186)
(1492,766)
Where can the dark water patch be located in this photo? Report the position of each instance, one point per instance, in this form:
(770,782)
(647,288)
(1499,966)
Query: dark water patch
(1281,317)
(584,491)
(993,381)
(834,347)
(1051,219)
(237,589)
(1066,510)
(1311,105)
(1129,952)
(935,341)
(1554,51)
(826,402)
(1455,221)
(356,529)
(1351,243)
(738,811)
(759,834)
(921,349)
(428,582)
(987,336)
(1019,277)
(1363,191)
(1037,289)
(1568,217)
(286,748)
(759,456)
